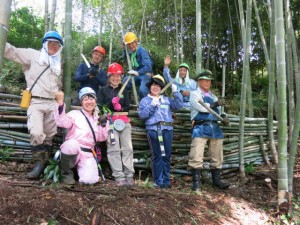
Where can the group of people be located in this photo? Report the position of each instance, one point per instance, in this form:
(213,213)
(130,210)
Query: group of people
(46,111)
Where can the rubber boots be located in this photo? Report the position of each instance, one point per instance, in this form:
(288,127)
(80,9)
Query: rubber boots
(196,180)
(67,162)
(216,178)
(40,156)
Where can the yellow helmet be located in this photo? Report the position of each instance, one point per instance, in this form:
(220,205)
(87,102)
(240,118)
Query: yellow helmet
(130,37)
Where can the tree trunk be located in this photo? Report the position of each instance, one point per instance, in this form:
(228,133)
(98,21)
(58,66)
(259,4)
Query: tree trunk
(52,16)
(100,24)
(295,134)
(176,35)
(46,14)
(144,6)
(198,37)
(272,92)
(246,45)
(82,25)
(209,34)
(181,33)
(68,53)
(282,112)
(4,23)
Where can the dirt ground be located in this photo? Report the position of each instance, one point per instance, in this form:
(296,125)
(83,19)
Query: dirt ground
(25,201)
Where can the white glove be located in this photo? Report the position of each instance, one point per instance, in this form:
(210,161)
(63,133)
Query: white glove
(174,88)
(133,72)
(155,102)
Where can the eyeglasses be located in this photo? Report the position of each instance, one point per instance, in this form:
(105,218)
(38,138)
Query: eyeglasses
(54,44)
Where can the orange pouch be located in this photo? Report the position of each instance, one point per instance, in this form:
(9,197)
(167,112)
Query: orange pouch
(26,98)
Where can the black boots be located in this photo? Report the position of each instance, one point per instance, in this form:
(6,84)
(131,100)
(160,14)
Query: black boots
(40,156)
(67,162)
(196,180)
(216,178)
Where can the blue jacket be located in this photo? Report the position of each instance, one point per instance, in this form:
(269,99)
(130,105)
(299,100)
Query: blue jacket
(152,115)
(82,76)
(144,61)
(210,128)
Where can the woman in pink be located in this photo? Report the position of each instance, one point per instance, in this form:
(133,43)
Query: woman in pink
(76,150)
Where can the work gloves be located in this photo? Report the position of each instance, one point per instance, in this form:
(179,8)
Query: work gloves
(92,72)
(174,88)
(225,121)
(219,102)
(133,72)
(116,103)
(102,121)
(155,102)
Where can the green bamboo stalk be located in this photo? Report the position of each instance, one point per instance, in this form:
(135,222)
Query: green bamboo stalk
(282,105)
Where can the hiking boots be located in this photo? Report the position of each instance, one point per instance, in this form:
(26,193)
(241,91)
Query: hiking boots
(216,178)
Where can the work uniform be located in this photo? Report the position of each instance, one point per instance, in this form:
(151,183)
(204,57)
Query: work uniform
(120,153)
(80,140)
(159,119)
(82,76)
(40,113)
(142,63)
(186,84)
(206,129)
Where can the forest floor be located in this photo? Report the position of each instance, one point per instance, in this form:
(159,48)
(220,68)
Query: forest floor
(252,201)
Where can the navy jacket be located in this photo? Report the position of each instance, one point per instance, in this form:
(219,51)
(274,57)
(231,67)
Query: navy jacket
(82,76)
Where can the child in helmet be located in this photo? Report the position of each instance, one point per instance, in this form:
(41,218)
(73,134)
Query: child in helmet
(119,144)
(94,76)
(155,109)
(42,71)
(182,80)
(80,140)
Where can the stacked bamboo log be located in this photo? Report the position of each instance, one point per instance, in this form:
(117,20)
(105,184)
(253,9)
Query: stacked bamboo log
(14,134)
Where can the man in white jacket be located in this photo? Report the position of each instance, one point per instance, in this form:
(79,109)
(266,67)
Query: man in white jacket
(40,123)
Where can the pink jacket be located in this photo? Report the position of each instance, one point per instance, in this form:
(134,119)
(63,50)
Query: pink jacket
(79,128)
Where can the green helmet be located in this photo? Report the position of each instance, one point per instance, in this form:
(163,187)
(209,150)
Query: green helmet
(184,65)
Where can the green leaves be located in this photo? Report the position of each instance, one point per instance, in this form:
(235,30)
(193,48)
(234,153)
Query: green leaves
(52,171)
(5,153)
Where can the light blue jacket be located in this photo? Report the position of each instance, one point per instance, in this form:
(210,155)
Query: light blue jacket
(189,84)
(152,115)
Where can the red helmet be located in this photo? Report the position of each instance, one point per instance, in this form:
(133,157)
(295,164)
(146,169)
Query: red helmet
(100,49)
(115,68)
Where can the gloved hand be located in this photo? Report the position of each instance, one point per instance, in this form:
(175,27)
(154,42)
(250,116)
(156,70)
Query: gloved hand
(155,102)
(133,72)
(118,107)
(93,71)
(115,100)
(102,121)
(219,102)
(226,122)
(174,88)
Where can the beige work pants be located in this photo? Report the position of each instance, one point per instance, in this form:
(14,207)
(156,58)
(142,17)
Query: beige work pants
(215,152)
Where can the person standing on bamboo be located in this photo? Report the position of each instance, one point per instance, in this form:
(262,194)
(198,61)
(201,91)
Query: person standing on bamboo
(182,80)
(40,123)
(141,64)
(91,77)
(155,110)
(119,144)
(206,130)
(79,148)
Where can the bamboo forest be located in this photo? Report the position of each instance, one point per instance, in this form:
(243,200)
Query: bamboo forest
(149,112)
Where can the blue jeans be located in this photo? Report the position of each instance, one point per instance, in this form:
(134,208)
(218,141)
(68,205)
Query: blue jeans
(140,81)
(160,164)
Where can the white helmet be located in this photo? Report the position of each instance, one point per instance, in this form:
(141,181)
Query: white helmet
(86,91)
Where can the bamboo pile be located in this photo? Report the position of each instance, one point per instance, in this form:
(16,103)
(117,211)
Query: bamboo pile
(14,134)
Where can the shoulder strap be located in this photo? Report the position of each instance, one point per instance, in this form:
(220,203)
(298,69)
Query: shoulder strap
(39,77)
(90,126)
